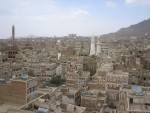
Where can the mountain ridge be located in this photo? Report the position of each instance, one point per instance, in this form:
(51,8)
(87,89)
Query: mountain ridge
(138,30)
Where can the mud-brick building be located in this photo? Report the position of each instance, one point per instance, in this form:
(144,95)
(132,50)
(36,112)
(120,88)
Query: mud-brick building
(18,90)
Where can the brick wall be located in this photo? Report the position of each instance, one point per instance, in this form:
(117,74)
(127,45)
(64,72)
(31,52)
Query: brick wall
(14,92)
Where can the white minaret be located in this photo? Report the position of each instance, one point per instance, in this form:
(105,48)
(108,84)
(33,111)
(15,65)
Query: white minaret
(92,49)
(98,50)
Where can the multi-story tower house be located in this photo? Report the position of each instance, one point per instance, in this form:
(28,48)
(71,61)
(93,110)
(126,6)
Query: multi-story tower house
(11,48)
(92,49)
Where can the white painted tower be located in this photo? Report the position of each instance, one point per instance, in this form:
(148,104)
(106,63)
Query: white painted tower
(98,50)
(92,49)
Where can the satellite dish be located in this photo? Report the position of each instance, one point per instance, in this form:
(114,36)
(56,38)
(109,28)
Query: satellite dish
(24,75)
(137,89)
(43,110)
(14,76)
(2,80)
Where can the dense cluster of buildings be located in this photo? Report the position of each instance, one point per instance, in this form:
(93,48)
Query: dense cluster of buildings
(101,76)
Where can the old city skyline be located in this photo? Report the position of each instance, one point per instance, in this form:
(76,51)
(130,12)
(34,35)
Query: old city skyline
(74,71)
(86,18)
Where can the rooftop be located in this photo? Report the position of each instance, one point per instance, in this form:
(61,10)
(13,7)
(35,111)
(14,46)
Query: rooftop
(6,106)
(73,91)
(94,94)
(23,79)
(119,73)
(106,67)
(137,91)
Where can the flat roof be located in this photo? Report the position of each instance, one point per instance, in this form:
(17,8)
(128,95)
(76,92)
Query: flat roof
(120,74)
(73,91)
(21,79)
(6,106)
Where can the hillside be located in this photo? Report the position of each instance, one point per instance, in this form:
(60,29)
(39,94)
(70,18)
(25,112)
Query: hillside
(138,30)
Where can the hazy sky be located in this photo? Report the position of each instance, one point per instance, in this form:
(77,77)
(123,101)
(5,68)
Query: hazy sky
(62,17)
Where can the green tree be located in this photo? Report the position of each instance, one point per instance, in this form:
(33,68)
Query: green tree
(56,80)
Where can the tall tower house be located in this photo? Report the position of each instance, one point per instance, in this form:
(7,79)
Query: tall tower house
(98,50)
(13,34)
(92,49)
(12,49)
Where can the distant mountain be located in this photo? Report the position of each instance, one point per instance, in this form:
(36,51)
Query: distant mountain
(31,36)
(139,30)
